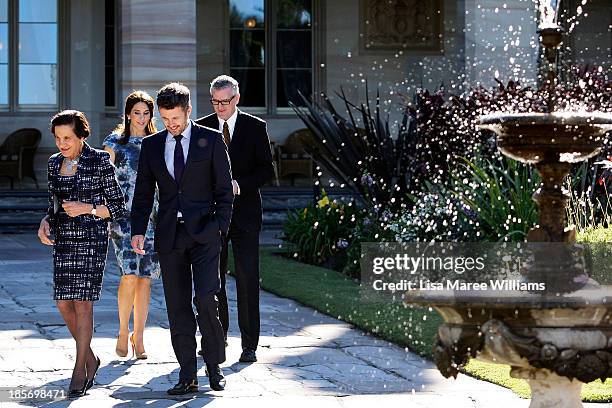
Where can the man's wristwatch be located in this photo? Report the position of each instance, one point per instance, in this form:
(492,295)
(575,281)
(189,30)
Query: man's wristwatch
(93,210)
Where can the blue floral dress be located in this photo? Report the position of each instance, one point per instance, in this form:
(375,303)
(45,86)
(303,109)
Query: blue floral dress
(126,164)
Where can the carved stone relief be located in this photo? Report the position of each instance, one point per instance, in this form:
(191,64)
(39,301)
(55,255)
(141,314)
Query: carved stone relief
(401,25)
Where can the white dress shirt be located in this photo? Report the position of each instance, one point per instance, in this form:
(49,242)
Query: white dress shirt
(231,124)
(169,150)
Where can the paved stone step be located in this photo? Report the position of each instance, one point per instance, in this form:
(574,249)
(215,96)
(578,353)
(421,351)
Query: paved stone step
(272,198)
(21,210)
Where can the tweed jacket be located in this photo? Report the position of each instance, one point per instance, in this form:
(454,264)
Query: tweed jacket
(95,183)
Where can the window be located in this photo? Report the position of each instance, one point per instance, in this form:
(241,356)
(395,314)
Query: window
(271,51)
(4,39)
(110,91)
(28,54)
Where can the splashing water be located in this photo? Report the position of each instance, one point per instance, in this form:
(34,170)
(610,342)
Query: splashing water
(550,10)
(549,13)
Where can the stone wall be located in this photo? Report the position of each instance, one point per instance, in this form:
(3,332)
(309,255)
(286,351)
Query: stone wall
(158,45)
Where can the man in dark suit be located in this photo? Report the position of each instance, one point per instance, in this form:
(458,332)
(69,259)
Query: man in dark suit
(190,167)
(249,149)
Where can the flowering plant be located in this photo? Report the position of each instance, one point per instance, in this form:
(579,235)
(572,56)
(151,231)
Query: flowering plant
(320,233)
(606,174)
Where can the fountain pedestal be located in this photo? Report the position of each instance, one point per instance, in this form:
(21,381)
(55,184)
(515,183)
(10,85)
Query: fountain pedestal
(552,142)
(549,390)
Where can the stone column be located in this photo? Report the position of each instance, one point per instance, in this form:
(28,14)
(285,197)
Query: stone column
(158,45)
(549,390)
(86,65)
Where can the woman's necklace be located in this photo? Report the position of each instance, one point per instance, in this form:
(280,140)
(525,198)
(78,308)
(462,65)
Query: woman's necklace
(71,163)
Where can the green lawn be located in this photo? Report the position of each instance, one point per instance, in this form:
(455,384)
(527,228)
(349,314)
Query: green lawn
(336,295)
(595,391)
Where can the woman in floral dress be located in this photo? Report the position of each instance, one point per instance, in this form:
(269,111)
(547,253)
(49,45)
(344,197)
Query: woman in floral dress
(136,270)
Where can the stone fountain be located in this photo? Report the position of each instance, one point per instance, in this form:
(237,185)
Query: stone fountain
(560,338)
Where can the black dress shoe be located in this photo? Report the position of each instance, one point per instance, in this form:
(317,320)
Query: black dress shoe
(184,387)
(215,377)
(248,356)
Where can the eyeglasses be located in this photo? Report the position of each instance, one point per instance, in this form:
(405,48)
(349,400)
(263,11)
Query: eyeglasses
(222,103)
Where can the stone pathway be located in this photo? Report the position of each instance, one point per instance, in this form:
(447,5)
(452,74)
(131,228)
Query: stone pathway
(304,357)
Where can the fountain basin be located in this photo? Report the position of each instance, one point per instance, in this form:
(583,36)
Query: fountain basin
(556,343)
(560,136)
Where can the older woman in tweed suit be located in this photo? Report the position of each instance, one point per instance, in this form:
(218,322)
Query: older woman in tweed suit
(83,196)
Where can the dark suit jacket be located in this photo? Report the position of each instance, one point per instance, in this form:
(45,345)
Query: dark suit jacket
(204,193)
(252,166)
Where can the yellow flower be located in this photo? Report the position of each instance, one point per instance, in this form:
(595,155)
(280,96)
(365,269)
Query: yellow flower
(323,202)
(304,213)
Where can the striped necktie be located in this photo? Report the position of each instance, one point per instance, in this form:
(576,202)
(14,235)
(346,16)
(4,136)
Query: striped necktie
(226,134)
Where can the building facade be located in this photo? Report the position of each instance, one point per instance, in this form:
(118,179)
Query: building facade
(89,54)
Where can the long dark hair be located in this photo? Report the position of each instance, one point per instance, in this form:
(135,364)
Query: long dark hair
(131,100)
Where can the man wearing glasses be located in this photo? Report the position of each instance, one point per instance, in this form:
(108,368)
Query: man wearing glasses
(246,137)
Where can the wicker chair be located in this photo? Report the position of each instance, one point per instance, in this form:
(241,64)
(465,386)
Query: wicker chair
(292,159)
(17,155)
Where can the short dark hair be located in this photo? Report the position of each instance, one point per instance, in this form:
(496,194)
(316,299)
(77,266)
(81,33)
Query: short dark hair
(172,95)
(74,118)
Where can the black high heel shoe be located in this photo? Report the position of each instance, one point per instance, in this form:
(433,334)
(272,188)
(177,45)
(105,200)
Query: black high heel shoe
(77,393)
(90,383)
